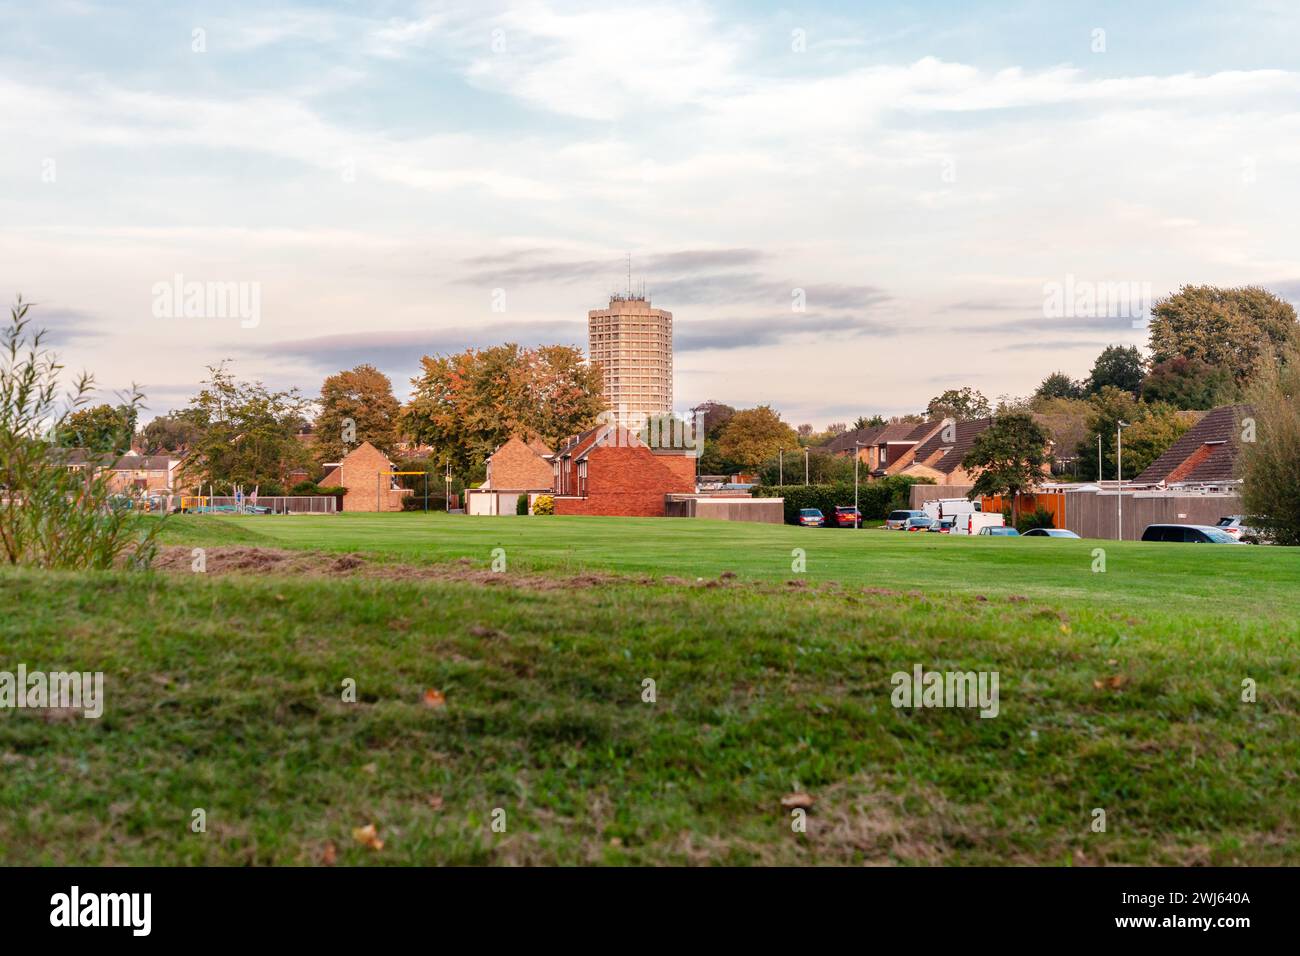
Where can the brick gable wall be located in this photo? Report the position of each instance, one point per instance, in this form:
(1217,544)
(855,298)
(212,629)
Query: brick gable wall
(358,473)
(516,467)
(628,480)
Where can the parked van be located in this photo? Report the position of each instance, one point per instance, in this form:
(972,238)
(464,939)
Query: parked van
(972,522)
(949,507)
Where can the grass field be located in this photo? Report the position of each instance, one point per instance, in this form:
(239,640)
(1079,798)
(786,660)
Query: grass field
(1119,690)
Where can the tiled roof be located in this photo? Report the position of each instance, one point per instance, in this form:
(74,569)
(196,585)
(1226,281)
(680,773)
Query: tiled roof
(964,434)
(843,444)
(1220,430)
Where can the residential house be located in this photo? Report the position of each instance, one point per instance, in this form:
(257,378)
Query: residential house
(517,467)
(1208,453)
(364,474)
(940,455)
(608,470)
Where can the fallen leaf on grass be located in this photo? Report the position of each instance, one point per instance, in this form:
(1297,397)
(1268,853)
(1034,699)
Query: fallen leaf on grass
(371,768)
(330,854)
(434,698)
(435,802)
(798,801)
(1114,682)
(368,835)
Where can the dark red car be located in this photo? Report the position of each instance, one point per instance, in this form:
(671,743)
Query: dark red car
(847,516)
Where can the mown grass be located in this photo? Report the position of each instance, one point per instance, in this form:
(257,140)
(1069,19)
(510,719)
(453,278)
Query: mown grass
(1122,692)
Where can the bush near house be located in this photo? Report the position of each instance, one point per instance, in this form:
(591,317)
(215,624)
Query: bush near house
(875,498)
(521,505)
(1038,518)
(543,505)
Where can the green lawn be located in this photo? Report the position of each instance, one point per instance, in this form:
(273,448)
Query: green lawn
(1119,691)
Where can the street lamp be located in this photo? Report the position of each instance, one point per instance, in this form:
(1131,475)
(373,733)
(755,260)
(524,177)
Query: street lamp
(805,467)
(1119,477)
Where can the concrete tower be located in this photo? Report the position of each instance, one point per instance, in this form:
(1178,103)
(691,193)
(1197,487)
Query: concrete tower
(633,345)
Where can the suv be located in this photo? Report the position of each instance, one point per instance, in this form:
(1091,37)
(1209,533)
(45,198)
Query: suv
(1188,533)
(847,516)
(811,518)
(897,520)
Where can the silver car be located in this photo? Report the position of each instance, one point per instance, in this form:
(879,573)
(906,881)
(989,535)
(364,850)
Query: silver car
(898,520)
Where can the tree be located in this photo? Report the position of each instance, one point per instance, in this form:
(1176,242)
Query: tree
(1066,422)
(467,404)
(1271,461)
(1059,385)
(357,406)
(715,415)
(875,421)
(103,429)
(1117,366)
(170,433)
(960,404)
(1157,427)
(248,433)
(755,435)
(1009,457)
(1188,383)
(1108,407)
(1230,329)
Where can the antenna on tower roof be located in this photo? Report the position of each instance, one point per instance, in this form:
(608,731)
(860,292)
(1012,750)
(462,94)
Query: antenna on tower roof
(629,275)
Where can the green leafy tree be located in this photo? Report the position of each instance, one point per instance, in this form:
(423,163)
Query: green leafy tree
(357,406)
(960,404)
(1059,385)
(1271,461)
(1008,457)
(248,433)
(1158,426)
(56,507)
(1107,408)
(755,435)
(1188,383)
(103,429)
(714,416)
(1230,329)
(467,404)
(170,433)
(875,421)
(1117,366)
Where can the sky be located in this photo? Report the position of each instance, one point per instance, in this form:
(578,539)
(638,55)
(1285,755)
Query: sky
(847,206)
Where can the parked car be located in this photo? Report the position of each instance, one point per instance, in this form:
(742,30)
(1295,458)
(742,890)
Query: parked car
(1236,526)
(1048,533)
(1000,531)
(1188,534)
(897,520)
(847,516)
(918,523)
(811,517)
(942,526)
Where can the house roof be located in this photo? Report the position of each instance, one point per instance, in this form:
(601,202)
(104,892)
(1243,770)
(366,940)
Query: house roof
(143,463)
(963,437)
(1208,451)
(844,443)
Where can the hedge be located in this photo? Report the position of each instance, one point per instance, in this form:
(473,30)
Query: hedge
(875,498)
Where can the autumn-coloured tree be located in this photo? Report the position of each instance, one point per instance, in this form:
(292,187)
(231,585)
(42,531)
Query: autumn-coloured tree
(755,435)
(467,404)
(1270,450)
(357,406)
(1230,329)
(959,404)
(1188,383)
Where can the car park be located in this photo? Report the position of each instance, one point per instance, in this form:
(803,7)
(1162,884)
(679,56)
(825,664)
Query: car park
(1000,531)
(1188,534)
(846,516)
(1048,533)
(811,517)
(897,520)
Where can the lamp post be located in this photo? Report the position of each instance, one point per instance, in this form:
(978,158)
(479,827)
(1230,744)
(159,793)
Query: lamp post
(780,467)
(1119,477)
(805,467)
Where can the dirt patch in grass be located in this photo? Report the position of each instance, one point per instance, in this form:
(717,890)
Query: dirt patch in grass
(277,561)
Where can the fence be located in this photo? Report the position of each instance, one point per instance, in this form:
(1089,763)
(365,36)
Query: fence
(278,505)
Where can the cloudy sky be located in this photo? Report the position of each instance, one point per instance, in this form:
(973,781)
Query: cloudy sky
(398,178)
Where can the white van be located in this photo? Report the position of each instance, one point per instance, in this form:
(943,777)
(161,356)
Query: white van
(972,521)
(949,507)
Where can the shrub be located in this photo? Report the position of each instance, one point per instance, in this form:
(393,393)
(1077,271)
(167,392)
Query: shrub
(521,505)
(56,510)
(1039,518)
(543,505)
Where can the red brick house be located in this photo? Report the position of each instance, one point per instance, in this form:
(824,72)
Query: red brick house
(608,470)
(362,474)
(1207,453)
(516,468)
